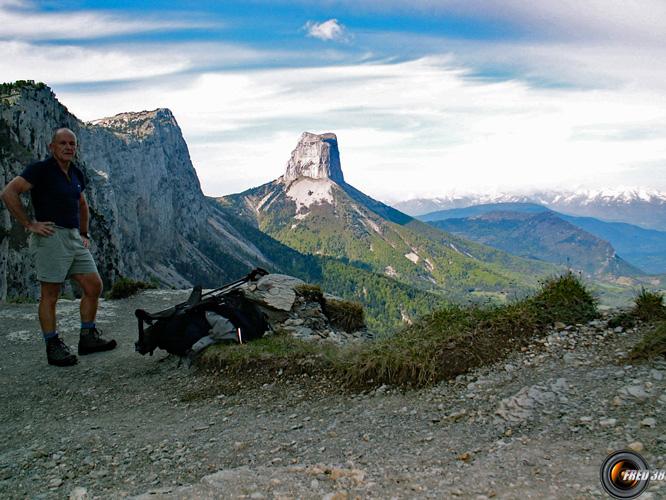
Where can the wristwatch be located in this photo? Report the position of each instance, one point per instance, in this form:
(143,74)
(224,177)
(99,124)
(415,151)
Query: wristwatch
(85,235)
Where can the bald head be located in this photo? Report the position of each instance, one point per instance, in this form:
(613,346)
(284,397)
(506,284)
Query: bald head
(61,131)
(63,146)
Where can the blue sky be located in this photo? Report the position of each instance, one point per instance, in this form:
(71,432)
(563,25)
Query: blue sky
(426,97)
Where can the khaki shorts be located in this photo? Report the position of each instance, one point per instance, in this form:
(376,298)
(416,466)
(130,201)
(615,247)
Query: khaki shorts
(59,256)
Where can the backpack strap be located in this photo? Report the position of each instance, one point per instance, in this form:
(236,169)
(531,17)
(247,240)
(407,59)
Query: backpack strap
(142,316)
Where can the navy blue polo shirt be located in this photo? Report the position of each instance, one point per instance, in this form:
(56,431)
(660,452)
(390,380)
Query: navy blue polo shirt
(55,195)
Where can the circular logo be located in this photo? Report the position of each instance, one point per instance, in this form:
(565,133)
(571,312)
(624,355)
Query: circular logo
(625,474)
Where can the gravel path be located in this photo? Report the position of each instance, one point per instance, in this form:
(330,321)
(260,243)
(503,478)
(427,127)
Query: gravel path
(537,425)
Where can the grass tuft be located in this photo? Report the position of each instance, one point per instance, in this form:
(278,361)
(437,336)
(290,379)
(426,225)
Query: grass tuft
(310,293)
(126,287)
(648,306)
(344,314)
(652,346)
(270,354)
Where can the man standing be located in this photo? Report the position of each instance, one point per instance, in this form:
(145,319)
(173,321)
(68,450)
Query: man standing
(60,243)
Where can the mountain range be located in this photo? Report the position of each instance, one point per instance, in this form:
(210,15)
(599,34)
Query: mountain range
(542,236)
(640,207)
(643,249)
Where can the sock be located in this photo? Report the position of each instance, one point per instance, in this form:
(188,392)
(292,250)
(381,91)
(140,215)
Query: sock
(88,326)
(49,335)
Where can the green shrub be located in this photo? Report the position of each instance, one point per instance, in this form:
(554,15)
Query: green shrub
(19,84)
(126,287)
(652,345)
(343,314)
(565,299)
(649,306)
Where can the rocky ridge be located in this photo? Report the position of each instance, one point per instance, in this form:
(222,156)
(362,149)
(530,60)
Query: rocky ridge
(538,424)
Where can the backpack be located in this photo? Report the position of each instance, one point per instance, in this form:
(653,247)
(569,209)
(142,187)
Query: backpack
(185,329)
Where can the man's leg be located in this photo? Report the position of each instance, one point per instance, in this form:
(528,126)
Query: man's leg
(90,340)
(91,285)
(57,352)
(47,306)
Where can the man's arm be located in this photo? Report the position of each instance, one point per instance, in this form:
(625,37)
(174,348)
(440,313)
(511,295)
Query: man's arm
(84,218)
(11,197)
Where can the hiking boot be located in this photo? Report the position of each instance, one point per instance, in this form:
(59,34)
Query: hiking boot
(58,354)
(91,341)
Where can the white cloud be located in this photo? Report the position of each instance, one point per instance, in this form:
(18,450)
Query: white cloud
(20,21)
(618,20)
(72,64)
(258,161)
(13,3)
(419,127)
(588,64)
(64,64)
(328,30)
(621,20)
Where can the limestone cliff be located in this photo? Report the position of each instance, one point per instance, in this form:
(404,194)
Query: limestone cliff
(317,157)
(149,218)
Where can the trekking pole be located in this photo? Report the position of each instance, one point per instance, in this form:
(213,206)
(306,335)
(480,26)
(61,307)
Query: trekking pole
(250,277)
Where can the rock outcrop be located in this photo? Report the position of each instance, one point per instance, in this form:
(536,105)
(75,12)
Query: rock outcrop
(149,217)
(304,312)
(274,291)
(317,157)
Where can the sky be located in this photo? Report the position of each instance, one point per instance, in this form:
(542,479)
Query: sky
(427,97)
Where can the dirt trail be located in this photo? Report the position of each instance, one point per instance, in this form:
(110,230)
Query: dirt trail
(537,425)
